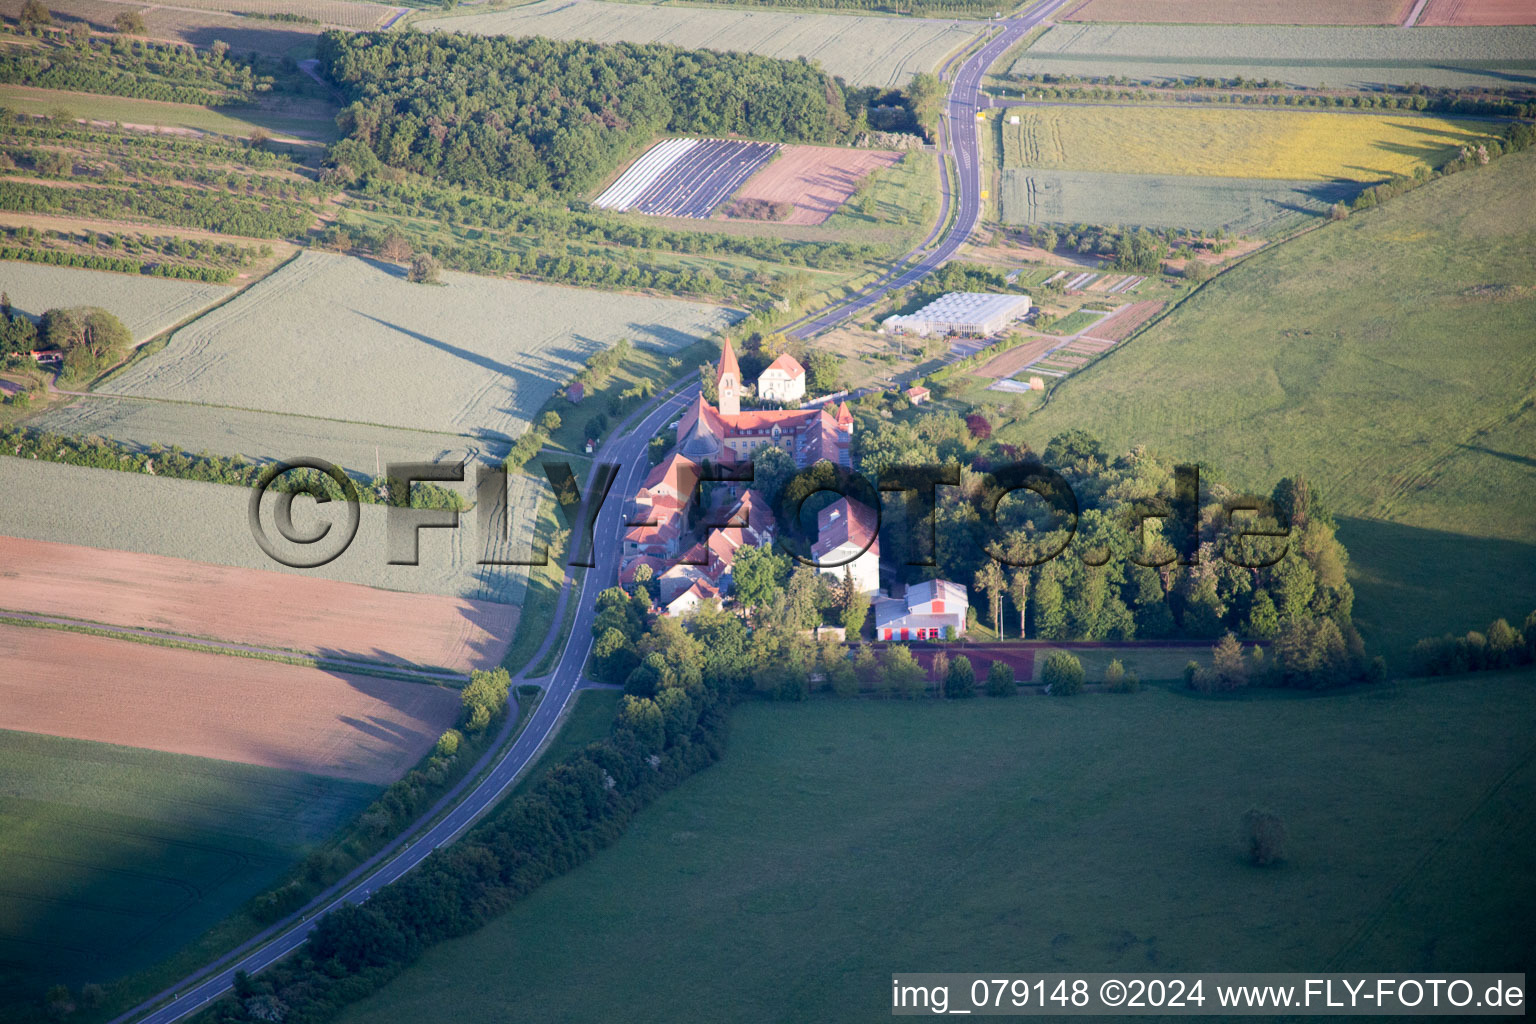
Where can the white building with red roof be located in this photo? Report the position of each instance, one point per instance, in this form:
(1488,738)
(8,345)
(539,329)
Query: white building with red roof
(924,613)
(848,541)
(783,380)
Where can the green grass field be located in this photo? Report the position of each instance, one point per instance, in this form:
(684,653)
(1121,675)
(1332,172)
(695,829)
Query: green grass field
(1037,834)
(113,859)
(1298,55)
(1387,357)
(1239,206)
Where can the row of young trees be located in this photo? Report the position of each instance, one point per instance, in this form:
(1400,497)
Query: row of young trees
(112,142)
(547,116)
(169,461)
(221,212)
(119,264)
(550,223)
(1479,102)
(134,68)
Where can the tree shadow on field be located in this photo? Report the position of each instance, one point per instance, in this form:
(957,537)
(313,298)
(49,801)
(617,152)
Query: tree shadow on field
(475,358)
(1412,582)
(1523,460)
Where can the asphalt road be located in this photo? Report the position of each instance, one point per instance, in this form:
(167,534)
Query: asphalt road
(965,99)
(628,451)
(703,178)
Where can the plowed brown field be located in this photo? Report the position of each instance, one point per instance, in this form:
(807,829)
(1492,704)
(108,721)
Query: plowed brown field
(1015,359)
(250,606)
(816,179)
(1124,323)
(209,705)
(1479,12)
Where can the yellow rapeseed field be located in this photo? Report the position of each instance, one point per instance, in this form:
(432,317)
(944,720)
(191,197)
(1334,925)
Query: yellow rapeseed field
(1293,145)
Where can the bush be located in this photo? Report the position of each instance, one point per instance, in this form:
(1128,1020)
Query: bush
(1264,836)
(1118,680)
(425,269)
(1000,680)
(960,680)
(1062,674)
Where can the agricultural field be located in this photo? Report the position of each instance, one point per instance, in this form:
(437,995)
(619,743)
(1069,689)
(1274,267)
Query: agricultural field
(1478,12)
(1243,12)
(685,177)
(115,858)
(266,713)
(793,844)
(1270,144)
(1301,360)
(178,23)
(815,180)
(352,339)
(860,50)
(358,447)
(340,13)
(204,522)
(1125,321)
(1301,56)
(145,305)
(246,606)
(1239,206)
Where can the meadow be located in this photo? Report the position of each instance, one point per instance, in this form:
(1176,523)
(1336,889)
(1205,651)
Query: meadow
(860,50)
(1303,56)
(352,339)
(1287,145)
(1387,357)
(145,305)
(206,522)
(114,858)
(1097,834)
(1239,206)
(1243,12)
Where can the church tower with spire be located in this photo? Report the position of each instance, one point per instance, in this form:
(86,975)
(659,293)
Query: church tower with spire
(728,382)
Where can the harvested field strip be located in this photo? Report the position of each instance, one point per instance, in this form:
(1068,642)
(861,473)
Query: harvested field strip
(1245,12)
(145,305)
(1015,359)
(861,50)
(816,179)
(343,13)
(1478,12)
(187,702)
(1298,55)
(1125,322)
(200,28)
(311,616)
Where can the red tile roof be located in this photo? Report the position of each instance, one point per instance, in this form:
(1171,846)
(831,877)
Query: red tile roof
(789,364)
(842,522)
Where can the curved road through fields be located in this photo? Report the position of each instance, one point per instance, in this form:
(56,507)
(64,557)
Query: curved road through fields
(965,99)
(628,450)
